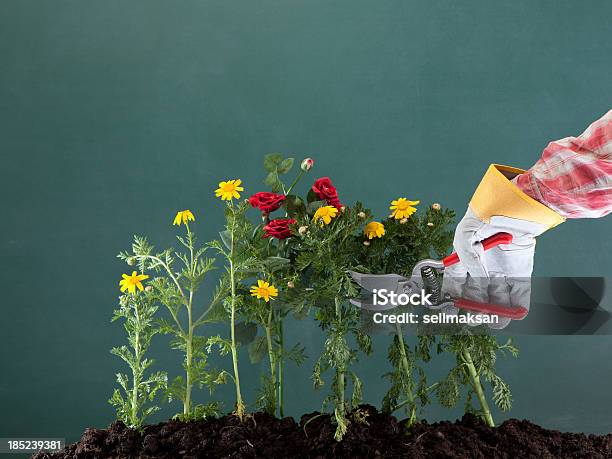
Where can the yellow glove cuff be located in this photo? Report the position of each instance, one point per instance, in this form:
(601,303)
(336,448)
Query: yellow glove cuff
(498,196)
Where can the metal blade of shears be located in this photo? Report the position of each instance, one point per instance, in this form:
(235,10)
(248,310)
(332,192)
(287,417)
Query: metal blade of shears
(371,282)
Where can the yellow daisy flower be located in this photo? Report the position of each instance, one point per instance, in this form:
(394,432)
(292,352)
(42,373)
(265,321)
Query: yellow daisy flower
(183,216)
(130,283)
(264,290)
(402,208)
(324,215)
(374,229)
(229,190)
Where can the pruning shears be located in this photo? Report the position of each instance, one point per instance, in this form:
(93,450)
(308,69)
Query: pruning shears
(425,277)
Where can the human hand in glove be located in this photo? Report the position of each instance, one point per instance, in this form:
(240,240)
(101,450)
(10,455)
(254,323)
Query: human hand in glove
(573,179)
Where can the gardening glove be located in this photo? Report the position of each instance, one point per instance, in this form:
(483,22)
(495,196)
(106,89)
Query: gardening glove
(500,275)
(572,179)
(508,298)
(498,205)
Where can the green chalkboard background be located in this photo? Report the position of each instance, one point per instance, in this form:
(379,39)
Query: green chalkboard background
(116,114)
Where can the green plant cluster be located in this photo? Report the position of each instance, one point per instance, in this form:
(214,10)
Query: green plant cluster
(133,400)
(305,261)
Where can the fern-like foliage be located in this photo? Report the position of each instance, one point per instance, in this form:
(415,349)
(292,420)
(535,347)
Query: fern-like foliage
(134,399)
(476,357)
(178,275)
(323,257)
(426,234)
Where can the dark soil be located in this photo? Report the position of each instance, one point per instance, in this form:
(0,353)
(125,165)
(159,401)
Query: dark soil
(380,435)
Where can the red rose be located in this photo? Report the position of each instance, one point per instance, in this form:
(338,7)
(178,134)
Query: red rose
(324,189)
(279,228)
(267,202)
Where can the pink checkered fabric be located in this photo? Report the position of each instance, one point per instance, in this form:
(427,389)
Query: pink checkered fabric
(574,174)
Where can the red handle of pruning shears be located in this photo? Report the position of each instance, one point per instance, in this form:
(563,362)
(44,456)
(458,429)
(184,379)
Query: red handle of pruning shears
(488,243)
(517,313)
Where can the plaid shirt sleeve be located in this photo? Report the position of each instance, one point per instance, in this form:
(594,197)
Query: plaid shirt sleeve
(574,174)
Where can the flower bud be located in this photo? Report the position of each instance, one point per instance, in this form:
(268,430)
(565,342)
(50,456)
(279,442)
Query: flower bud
(436,206)
(403,220)
(303,230)
(366,243)
(361,215)
(430,224)
(131,261)
(342,209)
(290,284)
(148,288)
(307,164)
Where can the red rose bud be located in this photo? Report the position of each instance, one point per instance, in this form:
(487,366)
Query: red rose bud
(267,202)
(325,190)
(307,164)
(279,228)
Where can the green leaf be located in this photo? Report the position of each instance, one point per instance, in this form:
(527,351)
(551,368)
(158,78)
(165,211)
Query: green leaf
(297,354)
(275,263)
(272,161)
(314,205)
(245,332)
(294,205)
(224,345)
(285,165)
(257,349)
(226,238)
(273,182)
(311,196)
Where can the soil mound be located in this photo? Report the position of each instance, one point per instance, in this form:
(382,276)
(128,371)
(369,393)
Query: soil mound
(370,434)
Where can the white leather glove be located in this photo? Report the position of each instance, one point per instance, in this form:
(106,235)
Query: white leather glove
(510,260)
(500,275)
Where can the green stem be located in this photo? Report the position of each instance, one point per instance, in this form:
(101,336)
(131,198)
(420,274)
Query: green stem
(189,343)
(283,249)
(135,372)
(281,409)
(405,364)
(189,361)
(475,381)
(176,282)
(299,176)
(239,402)
(271,356)
(222,292)
(340,371)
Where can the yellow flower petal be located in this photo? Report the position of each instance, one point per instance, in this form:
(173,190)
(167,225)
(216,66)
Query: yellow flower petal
(374,229)
(183,216)
(229,190)
(130,283)
(324,215)
(263,290)
(402,208)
